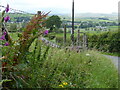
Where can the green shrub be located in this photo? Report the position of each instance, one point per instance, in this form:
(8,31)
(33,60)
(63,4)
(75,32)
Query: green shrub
(108,41)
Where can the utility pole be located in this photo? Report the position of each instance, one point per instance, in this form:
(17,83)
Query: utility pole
(72,35)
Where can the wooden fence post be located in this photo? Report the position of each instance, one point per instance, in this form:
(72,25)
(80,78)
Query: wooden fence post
(78,38)
(39,13)
(83,40)
(0,60)
(86,42)
(64,39)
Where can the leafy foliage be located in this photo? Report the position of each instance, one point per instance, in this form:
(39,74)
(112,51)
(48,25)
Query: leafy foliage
(53,20)
(109,41)
(15,52)
(76,69)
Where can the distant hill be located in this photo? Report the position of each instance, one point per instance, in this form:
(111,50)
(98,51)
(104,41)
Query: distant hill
(112,16)
(91,15)
(96,15)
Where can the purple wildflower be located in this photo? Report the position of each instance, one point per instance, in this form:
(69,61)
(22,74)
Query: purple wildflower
(7,8)
(7,18)
(2,38)
(6,44)
(23,77)
(46,32)
(5,33)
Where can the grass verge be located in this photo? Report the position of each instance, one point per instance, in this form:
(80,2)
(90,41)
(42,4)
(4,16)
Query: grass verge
(59,68)
(65,69)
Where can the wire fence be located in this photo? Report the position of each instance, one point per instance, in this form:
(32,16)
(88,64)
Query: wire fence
(15,10)
(18,18)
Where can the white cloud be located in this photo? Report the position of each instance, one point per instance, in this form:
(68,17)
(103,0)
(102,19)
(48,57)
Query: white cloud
(95,6)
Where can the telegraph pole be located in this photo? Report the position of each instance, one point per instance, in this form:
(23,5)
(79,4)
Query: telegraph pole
(72,35)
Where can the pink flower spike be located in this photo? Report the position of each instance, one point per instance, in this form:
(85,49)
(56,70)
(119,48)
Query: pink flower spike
(5,33)
(7,18)
(6,44)
(7,8)
(2,38)
(46,32)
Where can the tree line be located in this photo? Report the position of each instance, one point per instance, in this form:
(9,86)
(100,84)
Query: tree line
(54,22)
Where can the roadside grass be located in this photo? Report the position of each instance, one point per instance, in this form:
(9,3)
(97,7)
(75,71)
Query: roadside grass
(87,69)
(101,71)
(58,68)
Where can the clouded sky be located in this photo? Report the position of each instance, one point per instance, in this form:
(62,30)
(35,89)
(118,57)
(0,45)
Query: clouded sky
(64,6)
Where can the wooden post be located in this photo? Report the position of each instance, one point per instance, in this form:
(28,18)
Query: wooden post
(86,42)
(39,13)
(78,38)
(64,39)
(83,41)
(118,17)
(0,60)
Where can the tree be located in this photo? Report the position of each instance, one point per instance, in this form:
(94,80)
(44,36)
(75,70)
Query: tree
(13,27)
(53,21)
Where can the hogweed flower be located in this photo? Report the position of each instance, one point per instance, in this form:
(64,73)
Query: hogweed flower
(6,44)
(7,8)
(87,54)
(46,32)
(7,18)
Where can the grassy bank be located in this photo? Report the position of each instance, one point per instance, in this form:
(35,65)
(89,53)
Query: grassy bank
(64,69)
(46,67)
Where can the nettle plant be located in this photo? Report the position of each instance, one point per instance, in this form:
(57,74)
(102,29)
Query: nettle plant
(14,51)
